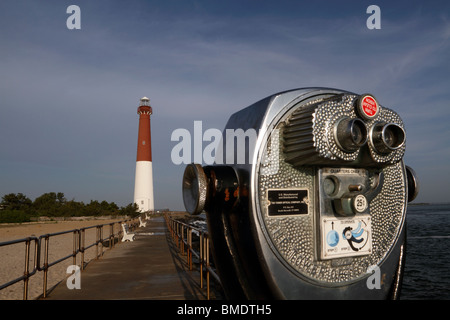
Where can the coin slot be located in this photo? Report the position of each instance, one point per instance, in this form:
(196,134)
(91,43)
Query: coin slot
(331,185)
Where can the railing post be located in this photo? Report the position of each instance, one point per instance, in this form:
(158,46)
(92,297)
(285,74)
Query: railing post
(101,240)
(111,236)
(45,265)
(182,240)
(82,244)
(178,237)
(26,271)
(172,226)
(118,228)
(74,252)
(201,259)
(207,266)
(97,236)
(190,248)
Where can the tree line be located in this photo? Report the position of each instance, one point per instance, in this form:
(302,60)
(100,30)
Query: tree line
(19,208)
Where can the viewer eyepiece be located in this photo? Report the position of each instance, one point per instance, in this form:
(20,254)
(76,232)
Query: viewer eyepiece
(387,137)
(350,134)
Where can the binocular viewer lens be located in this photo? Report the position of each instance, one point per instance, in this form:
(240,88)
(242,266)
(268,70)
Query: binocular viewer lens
(387,137)
(350,134)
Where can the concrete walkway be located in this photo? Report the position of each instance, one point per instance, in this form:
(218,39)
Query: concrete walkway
(147,268)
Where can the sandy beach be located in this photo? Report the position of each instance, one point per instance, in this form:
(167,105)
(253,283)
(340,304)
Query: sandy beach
(12,257)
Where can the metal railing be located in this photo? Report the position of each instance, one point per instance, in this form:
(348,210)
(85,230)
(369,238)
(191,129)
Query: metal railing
(181,233)
(41,251)
(27,273)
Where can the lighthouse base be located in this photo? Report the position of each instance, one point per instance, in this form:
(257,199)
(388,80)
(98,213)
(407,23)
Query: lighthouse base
(143,188)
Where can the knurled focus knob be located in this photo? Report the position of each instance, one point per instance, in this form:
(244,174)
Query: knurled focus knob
(195,184)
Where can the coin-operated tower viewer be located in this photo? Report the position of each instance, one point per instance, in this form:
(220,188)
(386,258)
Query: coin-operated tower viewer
(317,210)
(143,188)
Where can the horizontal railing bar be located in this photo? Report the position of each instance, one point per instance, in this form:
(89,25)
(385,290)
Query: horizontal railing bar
(10,283)
(21,278)
(60,260)
(6,243)
(91,227)
(58,233)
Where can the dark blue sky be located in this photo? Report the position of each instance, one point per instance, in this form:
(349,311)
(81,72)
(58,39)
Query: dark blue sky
(68,98)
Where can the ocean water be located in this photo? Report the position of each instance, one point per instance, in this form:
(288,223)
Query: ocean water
(427,267)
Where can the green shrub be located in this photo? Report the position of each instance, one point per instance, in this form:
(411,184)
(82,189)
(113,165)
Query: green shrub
(14,216)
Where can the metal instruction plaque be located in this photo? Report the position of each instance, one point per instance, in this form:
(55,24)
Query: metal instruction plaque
(287,202)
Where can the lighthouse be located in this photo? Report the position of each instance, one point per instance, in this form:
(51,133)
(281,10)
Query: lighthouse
(143,187)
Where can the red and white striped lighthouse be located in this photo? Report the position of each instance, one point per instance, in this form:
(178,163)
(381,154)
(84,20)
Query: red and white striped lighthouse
(143,187)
